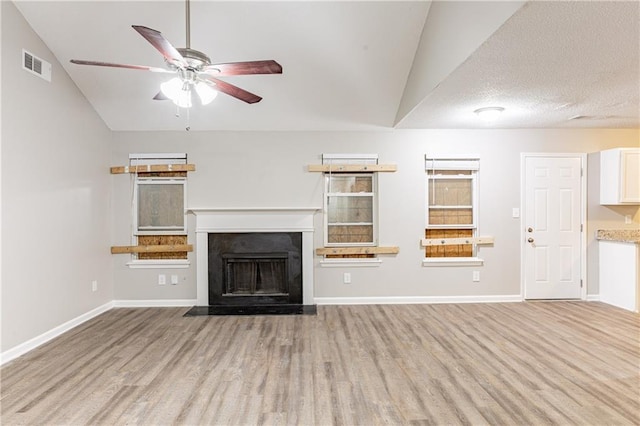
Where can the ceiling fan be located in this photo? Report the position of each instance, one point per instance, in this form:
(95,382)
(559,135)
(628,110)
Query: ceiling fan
(194,70)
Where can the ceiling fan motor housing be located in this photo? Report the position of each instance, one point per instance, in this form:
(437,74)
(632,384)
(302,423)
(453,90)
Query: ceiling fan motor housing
(196,59)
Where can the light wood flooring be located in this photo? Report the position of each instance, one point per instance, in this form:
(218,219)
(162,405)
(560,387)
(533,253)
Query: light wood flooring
(503,364)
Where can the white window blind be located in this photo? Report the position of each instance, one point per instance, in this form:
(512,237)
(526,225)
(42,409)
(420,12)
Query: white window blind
(452,163)
(157,158)
(349,158)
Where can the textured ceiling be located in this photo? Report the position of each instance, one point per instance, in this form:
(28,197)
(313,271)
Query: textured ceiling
(347,64)
(550,62)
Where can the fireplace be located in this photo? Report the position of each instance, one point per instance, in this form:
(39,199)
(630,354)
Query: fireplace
(291,231)
(252,268)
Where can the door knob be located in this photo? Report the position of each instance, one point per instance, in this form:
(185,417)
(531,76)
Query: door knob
(529,229)
(530,239)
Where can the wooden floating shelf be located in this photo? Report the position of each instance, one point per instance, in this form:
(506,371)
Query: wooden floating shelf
(152,248)
(456,241)
(357,250)
(153,168)
(338,168)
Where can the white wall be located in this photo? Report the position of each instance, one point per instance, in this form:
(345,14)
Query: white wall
(55,194)
(268,169)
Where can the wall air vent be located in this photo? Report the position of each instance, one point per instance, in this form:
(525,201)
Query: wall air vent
(36,66)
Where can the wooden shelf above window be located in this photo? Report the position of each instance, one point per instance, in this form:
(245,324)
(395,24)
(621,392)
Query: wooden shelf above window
(323,251)
(157,168)
(168,248)
(352,168)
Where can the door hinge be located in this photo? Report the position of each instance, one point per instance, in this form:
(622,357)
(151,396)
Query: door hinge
(580,283)
(581,227)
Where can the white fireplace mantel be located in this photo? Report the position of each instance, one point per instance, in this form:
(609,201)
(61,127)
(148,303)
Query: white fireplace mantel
(278,219)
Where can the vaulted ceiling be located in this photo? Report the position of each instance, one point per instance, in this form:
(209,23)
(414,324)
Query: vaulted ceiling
(362,65)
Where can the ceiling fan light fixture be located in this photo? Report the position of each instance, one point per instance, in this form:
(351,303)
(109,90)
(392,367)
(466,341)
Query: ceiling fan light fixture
(489,114)
(171,88)
(179,91)
(206,93)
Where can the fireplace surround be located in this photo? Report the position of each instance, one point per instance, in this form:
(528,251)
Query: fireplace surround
(255,221)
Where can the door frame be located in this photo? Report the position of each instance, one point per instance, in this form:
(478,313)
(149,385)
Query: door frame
(583,214)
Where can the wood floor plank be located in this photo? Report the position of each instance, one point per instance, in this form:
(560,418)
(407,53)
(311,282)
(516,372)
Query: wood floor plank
(518,363)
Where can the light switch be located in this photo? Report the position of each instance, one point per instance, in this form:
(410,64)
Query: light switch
(515,212)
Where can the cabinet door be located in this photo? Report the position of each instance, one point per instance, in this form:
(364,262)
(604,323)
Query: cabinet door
(619,274)
(630,176)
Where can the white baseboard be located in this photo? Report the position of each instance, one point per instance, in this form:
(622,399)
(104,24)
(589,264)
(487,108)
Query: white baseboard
(402,300)
(156,303)
(31,344)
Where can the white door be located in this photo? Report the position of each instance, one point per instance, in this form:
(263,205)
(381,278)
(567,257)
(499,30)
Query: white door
(552,218)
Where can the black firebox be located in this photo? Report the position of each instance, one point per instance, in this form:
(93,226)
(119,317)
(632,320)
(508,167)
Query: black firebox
(255,268)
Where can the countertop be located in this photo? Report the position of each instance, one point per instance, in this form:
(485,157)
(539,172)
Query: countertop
(619,235)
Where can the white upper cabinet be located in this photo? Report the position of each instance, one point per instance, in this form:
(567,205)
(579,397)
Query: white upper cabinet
(620,176)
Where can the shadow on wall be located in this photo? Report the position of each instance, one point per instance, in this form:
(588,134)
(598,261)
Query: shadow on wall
(631,215)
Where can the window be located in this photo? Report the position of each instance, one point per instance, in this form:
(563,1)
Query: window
(160,205)
(351,209)
(452,200)
(349,203)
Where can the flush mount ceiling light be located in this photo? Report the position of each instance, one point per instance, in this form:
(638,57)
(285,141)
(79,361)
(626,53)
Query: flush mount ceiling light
(489,114)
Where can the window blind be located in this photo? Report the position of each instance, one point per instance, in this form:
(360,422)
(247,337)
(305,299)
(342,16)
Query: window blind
(349,158)
(452,163)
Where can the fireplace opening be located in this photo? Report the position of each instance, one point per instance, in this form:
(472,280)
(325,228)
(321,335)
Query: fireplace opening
(249,274)
(255,268)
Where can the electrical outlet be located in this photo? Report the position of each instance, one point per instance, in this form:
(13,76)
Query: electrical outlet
(174,279)
(627,219)
(476,276)
(346,278)
(94,285)
(162,279)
